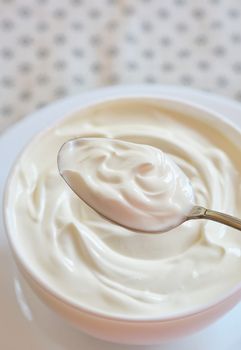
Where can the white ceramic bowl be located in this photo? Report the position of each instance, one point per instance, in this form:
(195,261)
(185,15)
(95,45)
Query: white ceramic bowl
(124,329)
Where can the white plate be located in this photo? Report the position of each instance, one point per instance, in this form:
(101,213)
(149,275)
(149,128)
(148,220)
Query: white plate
(20,328)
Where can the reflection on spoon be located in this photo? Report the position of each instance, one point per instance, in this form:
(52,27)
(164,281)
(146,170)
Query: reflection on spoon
(136,186)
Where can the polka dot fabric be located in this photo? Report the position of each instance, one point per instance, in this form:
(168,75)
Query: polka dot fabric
(50,49)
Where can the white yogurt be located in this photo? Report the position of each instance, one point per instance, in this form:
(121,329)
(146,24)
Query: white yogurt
(135,185)
(102,266)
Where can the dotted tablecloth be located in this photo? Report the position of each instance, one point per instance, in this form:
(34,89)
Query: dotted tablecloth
(53,48)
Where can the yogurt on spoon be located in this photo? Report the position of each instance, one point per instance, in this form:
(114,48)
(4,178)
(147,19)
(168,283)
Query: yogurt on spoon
(135,185)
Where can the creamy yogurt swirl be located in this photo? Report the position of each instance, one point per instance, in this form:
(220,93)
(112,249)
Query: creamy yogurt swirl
(99,265)
(135,185)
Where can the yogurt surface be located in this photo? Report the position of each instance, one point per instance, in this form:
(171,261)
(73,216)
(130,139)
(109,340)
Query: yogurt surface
(97,264)
(137,186)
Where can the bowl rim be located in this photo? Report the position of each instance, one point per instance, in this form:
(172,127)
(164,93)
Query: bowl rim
(207,113)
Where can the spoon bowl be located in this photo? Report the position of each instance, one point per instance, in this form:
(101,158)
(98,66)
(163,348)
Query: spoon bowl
(85,154)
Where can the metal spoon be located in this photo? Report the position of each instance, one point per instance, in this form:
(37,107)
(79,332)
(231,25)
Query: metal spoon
(203,213)
(197,212)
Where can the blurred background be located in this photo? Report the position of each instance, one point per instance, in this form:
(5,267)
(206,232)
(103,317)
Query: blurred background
(50,49)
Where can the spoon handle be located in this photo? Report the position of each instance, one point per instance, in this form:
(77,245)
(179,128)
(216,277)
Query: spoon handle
(203,213)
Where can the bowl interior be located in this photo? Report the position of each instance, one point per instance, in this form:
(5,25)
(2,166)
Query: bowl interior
(207,122)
